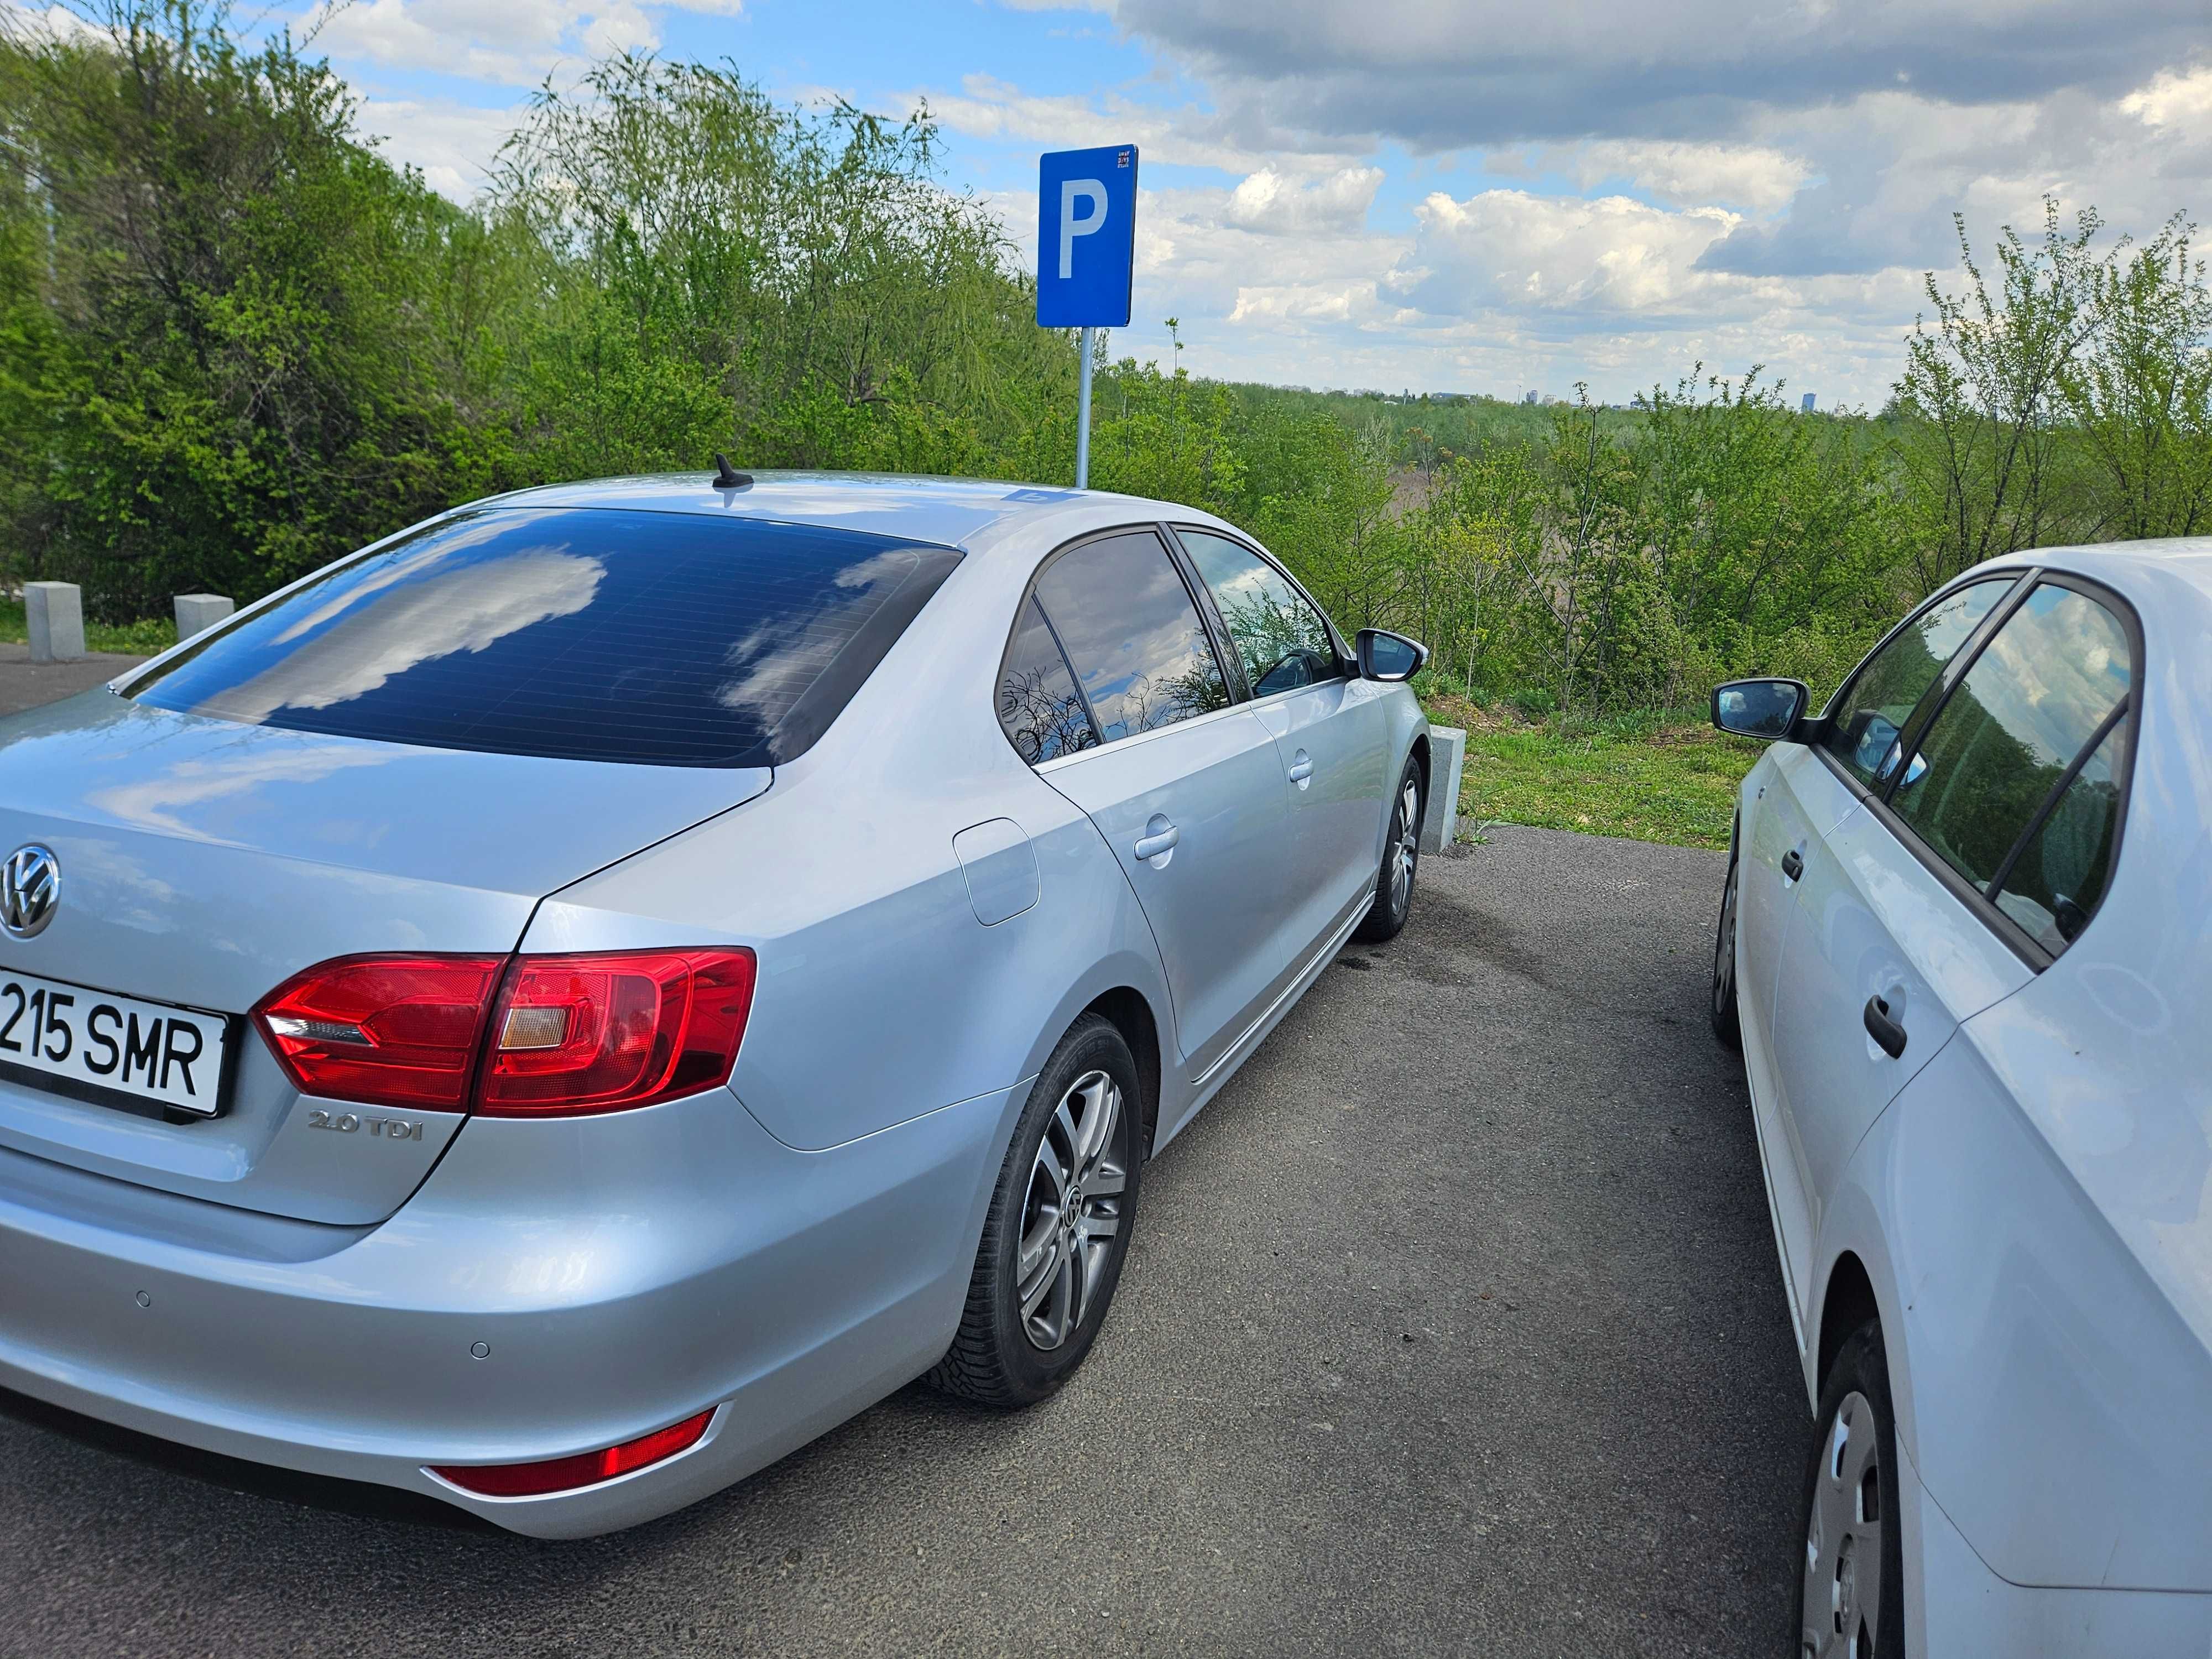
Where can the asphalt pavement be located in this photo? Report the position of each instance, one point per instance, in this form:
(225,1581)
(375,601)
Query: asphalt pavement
(26,684)
(1453,1326)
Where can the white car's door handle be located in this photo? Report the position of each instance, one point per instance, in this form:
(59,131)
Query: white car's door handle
(1300,767)
(1160,837)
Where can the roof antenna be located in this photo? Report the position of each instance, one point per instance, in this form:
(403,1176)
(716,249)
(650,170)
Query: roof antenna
(727,476)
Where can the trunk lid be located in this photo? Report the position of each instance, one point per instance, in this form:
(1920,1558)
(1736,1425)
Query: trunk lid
(203,862)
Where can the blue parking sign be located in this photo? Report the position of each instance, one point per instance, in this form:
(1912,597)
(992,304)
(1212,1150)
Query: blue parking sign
(1086,236)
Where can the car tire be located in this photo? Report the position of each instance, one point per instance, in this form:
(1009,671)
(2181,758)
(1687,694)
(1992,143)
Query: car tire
(1401,852)
(1849,1519)
(1046,1268)
(1728,1023)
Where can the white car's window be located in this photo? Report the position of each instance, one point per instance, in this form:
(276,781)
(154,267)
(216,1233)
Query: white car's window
(1132,634)
(1279,638)
(1043,714)
(2058,874)
(2046,690)
(1875,707)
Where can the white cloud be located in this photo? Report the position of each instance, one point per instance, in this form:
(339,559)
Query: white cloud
(2178,102)
(453,143)
(1748,176)
(985,107)
(510,42)
(54,19)
(1275,205)
(1508,248)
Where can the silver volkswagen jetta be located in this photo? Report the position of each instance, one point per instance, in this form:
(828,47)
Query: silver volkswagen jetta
(565,1005)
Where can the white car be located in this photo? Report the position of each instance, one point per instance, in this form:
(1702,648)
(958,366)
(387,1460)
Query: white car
(1965,945)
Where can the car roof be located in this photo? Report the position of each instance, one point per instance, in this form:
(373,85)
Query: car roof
(974,515)
(2184,562)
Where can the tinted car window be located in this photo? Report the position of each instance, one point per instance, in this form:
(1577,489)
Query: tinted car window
(1132,634)
(2037,694)
(2059,872)
(1867,717)
(1038,703)
(667,639)
(1277,634)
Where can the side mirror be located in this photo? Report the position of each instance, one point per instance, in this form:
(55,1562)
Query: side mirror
(1387,656)
(1767,709)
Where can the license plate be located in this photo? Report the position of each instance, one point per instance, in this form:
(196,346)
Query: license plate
(99,1046)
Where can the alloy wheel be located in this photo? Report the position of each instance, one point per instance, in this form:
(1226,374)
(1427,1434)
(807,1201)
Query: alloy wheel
(1842,1607)
(1071,1212)
(1407,847)
(1724,949)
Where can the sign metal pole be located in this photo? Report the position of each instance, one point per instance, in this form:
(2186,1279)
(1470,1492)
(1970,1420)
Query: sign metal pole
(1082,418)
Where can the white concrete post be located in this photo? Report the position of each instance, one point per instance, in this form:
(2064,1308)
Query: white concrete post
(1447,760)
(199,611)
(55,611)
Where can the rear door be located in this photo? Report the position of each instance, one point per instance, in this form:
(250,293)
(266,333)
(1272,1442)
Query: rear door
(1964,868)
(1113,688)
(1329,726)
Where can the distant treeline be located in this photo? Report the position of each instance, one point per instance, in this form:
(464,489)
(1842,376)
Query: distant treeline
(236,342)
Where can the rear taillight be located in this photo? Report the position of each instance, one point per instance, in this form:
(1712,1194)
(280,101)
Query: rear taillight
(383,1030)
(584,1469)
(603,1033)
(556,1036)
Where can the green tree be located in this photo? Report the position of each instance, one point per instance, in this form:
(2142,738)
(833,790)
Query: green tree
(233,379)
(2140,395)
(1985,457)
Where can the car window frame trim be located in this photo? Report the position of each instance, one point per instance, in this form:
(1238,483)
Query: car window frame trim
(2015,938)
(1174,554)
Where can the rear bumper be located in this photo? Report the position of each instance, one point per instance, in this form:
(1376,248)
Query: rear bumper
(553,1288)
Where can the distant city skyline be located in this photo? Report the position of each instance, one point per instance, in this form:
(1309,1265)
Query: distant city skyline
(1411,192)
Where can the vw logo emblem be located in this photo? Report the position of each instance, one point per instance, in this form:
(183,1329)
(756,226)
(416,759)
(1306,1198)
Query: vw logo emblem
(30,888)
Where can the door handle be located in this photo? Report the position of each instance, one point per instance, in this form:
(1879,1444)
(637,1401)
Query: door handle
(1300,767)
(1882,1028)
(1793,865)
(1160,837)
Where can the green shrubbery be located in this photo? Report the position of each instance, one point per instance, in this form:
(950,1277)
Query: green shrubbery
(236,342)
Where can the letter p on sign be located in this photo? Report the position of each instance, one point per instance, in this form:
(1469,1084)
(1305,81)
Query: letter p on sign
(1086,237)
(1074,193)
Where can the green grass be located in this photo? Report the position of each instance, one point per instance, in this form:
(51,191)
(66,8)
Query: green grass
(137,639)
(1662,778)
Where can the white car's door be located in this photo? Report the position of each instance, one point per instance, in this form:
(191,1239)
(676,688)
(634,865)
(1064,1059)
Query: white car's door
(1331,727)
(1929,904)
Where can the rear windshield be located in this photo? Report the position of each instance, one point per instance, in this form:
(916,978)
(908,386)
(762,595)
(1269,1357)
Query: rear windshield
(667,639)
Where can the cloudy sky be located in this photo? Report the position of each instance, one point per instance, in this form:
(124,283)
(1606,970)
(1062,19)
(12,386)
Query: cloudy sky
(1447,194)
